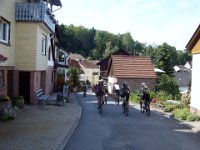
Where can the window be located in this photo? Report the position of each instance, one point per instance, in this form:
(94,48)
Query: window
(44,44)
(95,73)
(1,78)
(61,57)
(4,31)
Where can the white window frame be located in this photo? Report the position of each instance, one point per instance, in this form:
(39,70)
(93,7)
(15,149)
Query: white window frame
(4,31)
(44,45)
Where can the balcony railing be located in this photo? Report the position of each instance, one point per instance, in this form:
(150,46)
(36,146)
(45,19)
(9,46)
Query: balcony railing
(34,12)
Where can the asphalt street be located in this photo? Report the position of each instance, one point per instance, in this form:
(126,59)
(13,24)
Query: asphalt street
(112,130)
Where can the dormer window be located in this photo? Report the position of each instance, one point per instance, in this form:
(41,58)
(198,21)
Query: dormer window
(61,57)
(4,31)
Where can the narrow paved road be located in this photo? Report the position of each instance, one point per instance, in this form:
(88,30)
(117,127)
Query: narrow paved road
(111,130)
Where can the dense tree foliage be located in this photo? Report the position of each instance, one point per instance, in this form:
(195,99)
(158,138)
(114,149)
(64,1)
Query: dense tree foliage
(183,56)
(96,44)
(166,58)
(168,84)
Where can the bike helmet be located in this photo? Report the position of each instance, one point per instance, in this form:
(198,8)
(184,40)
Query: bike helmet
(143,84)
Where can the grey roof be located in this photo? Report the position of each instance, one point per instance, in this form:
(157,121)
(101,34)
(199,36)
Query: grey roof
(183,78)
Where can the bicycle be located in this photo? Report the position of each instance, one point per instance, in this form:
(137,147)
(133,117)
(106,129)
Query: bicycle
(117,99)
(125,107)
(100,103)
(145,107)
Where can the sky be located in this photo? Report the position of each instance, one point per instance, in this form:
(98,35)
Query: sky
(149,21)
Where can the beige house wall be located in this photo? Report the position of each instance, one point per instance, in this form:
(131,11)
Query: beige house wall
(29,45)
(196,48)
(42,60)
(94,79)
(7,11)
(89,74)
(26,37)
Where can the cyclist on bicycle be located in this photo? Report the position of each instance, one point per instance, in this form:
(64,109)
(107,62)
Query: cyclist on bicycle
(116,88)
(144,94)
(100,92)
(116,92)
(125,93)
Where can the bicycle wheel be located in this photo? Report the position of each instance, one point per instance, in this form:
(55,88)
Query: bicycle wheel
(141,106)
(100,109)
(123,107)
(147,110)
(126,109)
(117,99)
(100,105)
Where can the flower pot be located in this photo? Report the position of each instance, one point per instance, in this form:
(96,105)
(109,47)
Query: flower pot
(20,103)
(75,89)
(5,105)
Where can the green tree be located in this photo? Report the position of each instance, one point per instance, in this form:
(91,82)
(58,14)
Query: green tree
(183,57)
(95,54)
(73,74)
(168,84)
(166,58)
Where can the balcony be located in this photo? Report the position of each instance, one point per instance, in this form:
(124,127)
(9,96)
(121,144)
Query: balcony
(34,12)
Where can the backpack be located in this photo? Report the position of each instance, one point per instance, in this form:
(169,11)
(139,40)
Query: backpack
(146,90)
(146,94)
(125,91)
(100,91)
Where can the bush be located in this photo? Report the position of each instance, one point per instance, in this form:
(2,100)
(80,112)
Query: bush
(168,84)
(169,107)
(193,117)
(162,96)
(185,101)
(134,98)
(181,114)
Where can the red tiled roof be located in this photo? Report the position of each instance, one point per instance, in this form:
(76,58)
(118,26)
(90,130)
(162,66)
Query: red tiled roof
(76,56)
(88,64)
(125,66)
(118,52)
(74,63)
(2,58)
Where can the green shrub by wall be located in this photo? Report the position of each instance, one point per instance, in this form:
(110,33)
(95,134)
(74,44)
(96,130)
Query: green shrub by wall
(181,114)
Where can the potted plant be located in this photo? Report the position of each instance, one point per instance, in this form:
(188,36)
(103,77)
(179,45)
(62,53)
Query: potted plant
(18,101)
(5,103)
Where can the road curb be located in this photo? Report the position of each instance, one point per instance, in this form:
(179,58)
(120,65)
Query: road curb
(72,128)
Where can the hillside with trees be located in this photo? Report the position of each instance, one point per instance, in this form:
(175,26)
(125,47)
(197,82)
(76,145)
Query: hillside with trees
(97,44)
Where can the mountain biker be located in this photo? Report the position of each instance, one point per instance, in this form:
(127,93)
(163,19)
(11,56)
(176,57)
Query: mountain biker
(100,92)
(144,94)
(116,88)
(84,89)
(116,92)
(125,93)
